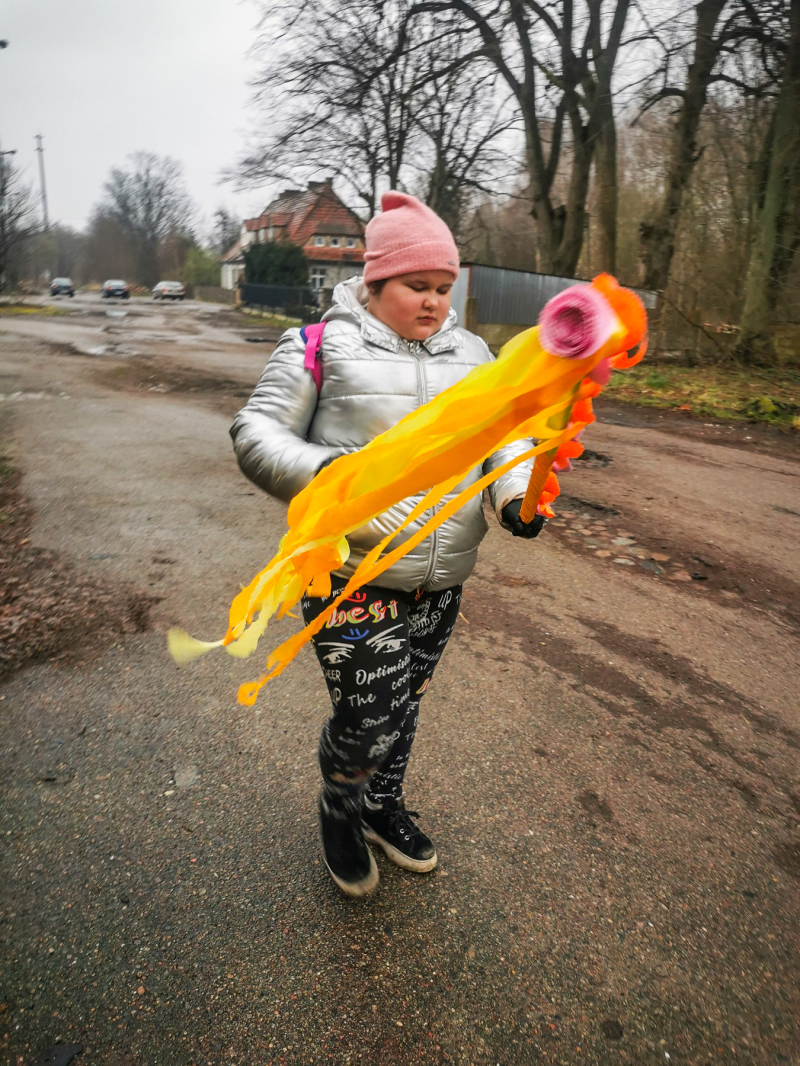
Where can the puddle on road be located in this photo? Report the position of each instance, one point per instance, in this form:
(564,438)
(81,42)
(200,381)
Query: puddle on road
(192,383)
(34,396)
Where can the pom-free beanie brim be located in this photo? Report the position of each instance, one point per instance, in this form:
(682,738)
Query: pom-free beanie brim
(407,237)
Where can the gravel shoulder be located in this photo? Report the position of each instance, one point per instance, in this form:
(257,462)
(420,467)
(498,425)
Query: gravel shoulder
(607,761)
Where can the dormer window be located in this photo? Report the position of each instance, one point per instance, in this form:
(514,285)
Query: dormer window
(319,242)
(335,242)
(351,242)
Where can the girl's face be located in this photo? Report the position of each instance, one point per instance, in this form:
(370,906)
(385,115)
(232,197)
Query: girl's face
(414,305)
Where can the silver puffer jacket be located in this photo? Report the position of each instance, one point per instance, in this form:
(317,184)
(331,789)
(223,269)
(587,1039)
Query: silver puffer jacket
(371,379)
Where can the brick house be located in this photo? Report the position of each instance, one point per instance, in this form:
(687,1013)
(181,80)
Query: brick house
(330,234)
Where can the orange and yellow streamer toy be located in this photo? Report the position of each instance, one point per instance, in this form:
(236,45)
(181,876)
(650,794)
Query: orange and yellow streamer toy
(541,386)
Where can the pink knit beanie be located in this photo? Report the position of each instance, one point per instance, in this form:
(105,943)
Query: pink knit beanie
(407,236)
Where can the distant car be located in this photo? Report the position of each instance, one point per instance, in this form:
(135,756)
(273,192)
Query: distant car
(115,287)
(169,290)
(62,287)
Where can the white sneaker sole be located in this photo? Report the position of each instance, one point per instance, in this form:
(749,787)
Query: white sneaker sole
(358,889)
(417,866)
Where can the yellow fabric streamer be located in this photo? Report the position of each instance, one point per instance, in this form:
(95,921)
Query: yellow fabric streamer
(524,393)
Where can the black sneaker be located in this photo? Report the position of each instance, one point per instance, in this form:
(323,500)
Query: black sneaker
(392,828)
(350,862)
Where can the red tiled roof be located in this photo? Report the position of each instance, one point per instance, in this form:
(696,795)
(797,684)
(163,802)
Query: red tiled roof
(232,254)
(316,209)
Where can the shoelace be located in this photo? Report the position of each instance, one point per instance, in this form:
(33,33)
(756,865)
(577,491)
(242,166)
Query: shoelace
(402,817)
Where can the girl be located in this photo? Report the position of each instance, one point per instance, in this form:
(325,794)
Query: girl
(391,343)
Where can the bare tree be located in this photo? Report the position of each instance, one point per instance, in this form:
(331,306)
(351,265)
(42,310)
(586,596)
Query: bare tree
(357,90)
(557,58)
(599,90)
(460,107)
(108,251)
(777,214)
(225,230)
(329,99)
(148,201)
(16,221)
(706,40)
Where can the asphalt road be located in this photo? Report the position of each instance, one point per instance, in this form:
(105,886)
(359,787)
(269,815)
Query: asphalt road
(607,759)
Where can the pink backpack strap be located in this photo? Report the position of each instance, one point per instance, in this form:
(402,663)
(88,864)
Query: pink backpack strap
(312,335)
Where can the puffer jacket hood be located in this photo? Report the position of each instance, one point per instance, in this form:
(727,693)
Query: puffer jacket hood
(371,378)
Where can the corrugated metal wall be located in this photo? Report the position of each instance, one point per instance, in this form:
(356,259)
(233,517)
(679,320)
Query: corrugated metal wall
(512,297)
(459,293)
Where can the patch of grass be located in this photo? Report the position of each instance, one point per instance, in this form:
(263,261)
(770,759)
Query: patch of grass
(26,309)
(656,381)
(279,321)
(745,394)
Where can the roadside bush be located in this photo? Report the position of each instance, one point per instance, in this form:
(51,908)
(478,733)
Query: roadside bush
(200,267)
(276,263)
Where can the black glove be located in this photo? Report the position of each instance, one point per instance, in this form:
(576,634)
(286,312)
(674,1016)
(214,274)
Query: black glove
(528,530)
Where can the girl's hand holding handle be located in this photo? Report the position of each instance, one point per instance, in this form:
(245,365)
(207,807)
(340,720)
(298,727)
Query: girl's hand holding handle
(527,530)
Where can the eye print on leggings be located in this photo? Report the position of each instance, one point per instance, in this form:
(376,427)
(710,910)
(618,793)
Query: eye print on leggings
(339,652)
(386,643)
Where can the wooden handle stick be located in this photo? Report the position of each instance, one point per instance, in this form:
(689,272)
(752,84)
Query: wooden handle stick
(542,466)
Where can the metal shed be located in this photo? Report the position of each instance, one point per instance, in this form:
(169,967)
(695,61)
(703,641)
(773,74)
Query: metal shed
(511,297)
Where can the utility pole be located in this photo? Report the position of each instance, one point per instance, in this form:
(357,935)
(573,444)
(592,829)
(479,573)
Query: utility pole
(40,150)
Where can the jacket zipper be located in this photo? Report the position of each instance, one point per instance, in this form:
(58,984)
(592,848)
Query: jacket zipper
(423,399)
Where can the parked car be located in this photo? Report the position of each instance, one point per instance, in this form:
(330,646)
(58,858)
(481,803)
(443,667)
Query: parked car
(169,290)
(115,287)
(62,287)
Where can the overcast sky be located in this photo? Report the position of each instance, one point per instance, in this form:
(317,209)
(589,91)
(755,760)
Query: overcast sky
(102,78)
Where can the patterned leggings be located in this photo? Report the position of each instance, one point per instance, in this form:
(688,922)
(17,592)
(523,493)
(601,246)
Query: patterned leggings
(378,653)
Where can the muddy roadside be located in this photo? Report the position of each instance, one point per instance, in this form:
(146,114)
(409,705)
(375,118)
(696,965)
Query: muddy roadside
(50,610)
(758,437)
(146,375)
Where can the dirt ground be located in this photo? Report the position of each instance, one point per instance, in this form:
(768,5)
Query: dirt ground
(607,757)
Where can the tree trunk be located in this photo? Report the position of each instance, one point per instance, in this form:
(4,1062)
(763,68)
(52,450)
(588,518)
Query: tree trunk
(604,131)
(147,263)
(605,170)
(658,238)
(777,219)
(560,229)
(572,221)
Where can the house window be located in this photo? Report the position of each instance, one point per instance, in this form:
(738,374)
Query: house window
(351,242)
(319,242)
(317,278)
(335,242)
